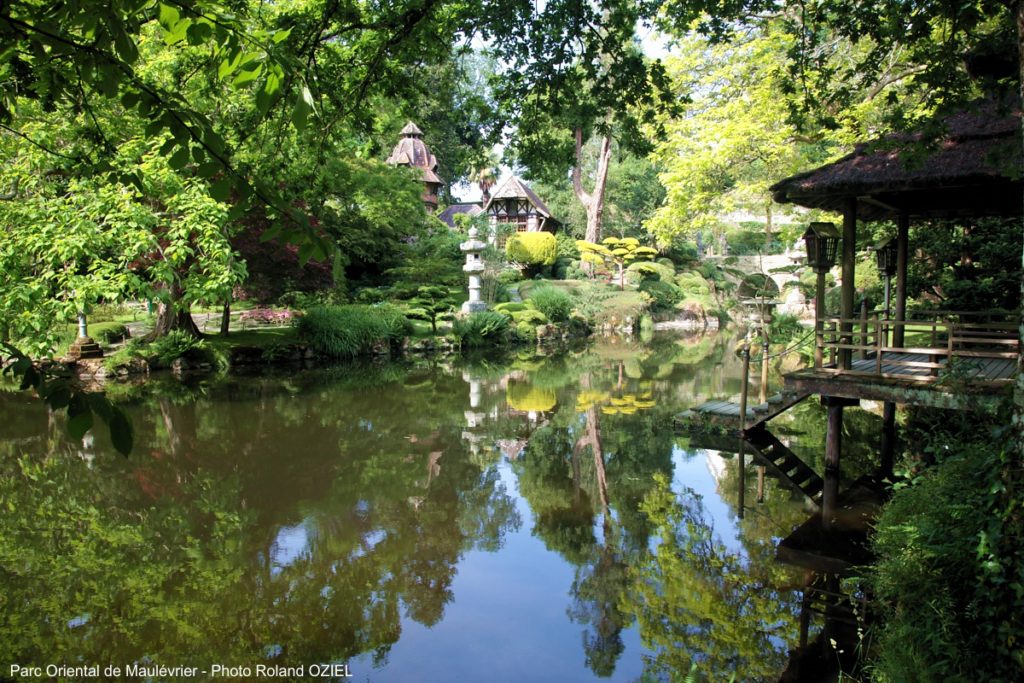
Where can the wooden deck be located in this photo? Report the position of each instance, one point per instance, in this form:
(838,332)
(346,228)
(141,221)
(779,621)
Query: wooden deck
(953,359)
(915,378)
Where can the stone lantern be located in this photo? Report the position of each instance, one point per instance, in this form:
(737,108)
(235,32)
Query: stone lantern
(473,248)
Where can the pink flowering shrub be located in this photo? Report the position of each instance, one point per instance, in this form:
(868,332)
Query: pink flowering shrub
(267,316)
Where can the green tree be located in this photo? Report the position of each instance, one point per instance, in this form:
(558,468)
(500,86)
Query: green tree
(733,139)
(616,252)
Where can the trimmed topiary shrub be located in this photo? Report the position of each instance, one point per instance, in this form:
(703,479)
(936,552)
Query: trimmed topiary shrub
(533,249)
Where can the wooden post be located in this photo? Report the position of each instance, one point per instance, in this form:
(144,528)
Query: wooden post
(745,387)
(888,438)
(763,393)
(742,477)
(864,327)
(902,237)
(833,450)
(819,320)
(848,264)
(760,484)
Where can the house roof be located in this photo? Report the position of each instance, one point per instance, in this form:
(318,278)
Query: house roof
(973,168)
(516,188)
(452,210)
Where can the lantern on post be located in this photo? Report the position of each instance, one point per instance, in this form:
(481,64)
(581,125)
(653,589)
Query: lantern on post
(822,240)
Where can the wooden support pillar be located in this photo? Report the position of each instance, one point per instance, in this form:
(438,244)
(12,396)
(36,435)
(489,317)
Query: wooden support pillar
(902,246)
(888,438)
(849,259)
(743,478)
(762,393)
(819,319)
(833,450)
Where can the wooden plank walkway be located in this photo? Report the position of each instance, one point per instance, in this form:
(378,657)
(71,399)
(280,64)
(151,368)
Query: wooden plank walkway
(727,413)
(896,364)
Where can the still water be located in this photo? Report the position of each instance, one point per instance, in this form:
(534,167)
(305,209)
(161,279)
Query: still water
(524,518)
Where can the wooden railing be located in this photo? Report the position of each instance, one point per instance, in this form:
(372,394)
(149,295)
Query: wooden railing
(936,343)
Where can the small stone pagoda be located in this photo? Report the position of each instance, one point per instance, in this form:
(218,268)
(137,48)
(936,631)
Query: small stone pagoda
(411,151)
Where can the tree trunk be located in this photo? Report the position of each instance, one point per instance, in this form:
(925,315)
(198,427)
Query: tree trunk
(768,227)
(1018,391)
(225,318)
(592,201)
(173,315)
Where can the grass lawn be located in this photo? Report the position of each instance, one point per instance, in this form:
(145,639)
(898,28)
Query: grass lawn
(260,337)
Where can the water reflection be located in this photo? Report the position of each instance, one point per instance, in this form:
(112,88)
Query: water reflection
(385,516)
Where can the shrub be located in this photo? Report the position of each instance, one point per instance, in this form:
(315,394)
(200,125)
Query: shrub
(511,307)
(567,247)
(532,248)
(530,316)
(350,331)
(638,272)
(117,333)
(664,295)
(552,302)
(938,613)
(481,329)
(692,284)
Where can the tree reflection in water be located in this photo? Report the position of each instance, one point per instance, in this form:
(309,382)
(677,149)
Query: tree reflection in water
(306,517)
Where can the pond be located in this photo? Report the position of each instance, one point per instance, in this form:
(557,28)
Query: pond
(527,517)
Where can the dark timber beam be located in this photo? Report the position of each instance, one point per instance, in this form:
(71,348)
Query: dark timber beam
(833,451)
(848,265)
(902,247)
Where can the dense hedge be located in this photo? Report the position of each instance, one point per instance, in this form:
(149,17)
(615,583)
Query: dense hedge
(532,248)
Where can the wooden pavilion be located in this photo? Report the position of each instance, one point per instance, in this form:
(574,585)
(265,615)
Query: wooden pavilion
(972,170)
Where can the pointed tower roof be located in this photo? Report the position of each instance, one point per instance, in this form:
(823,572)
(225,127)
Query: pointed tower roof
(412,130)
(411,151)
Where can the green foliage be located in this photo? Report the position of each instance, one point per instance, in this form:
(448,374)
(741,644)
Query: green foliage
(60,394)
(431,302)
(664,295)
(650,270)
(567,246)
(354,330)
(939,542)
(734,139)
(693,608)
(483,328)
(692,284)
(785,328)
(615,252)
(532,249)
(511,307)
(554,303)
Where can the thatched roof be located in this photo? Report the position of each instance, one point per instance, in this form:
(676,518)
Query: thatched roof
(972,169)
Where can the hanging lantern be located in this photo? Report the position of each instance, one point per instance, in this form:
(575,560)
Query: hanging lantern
(885,253)
(822,240)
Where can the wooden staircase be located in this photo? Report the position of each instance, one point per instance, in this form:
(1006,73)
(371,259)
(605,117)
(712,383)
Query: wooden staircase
(783,463)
